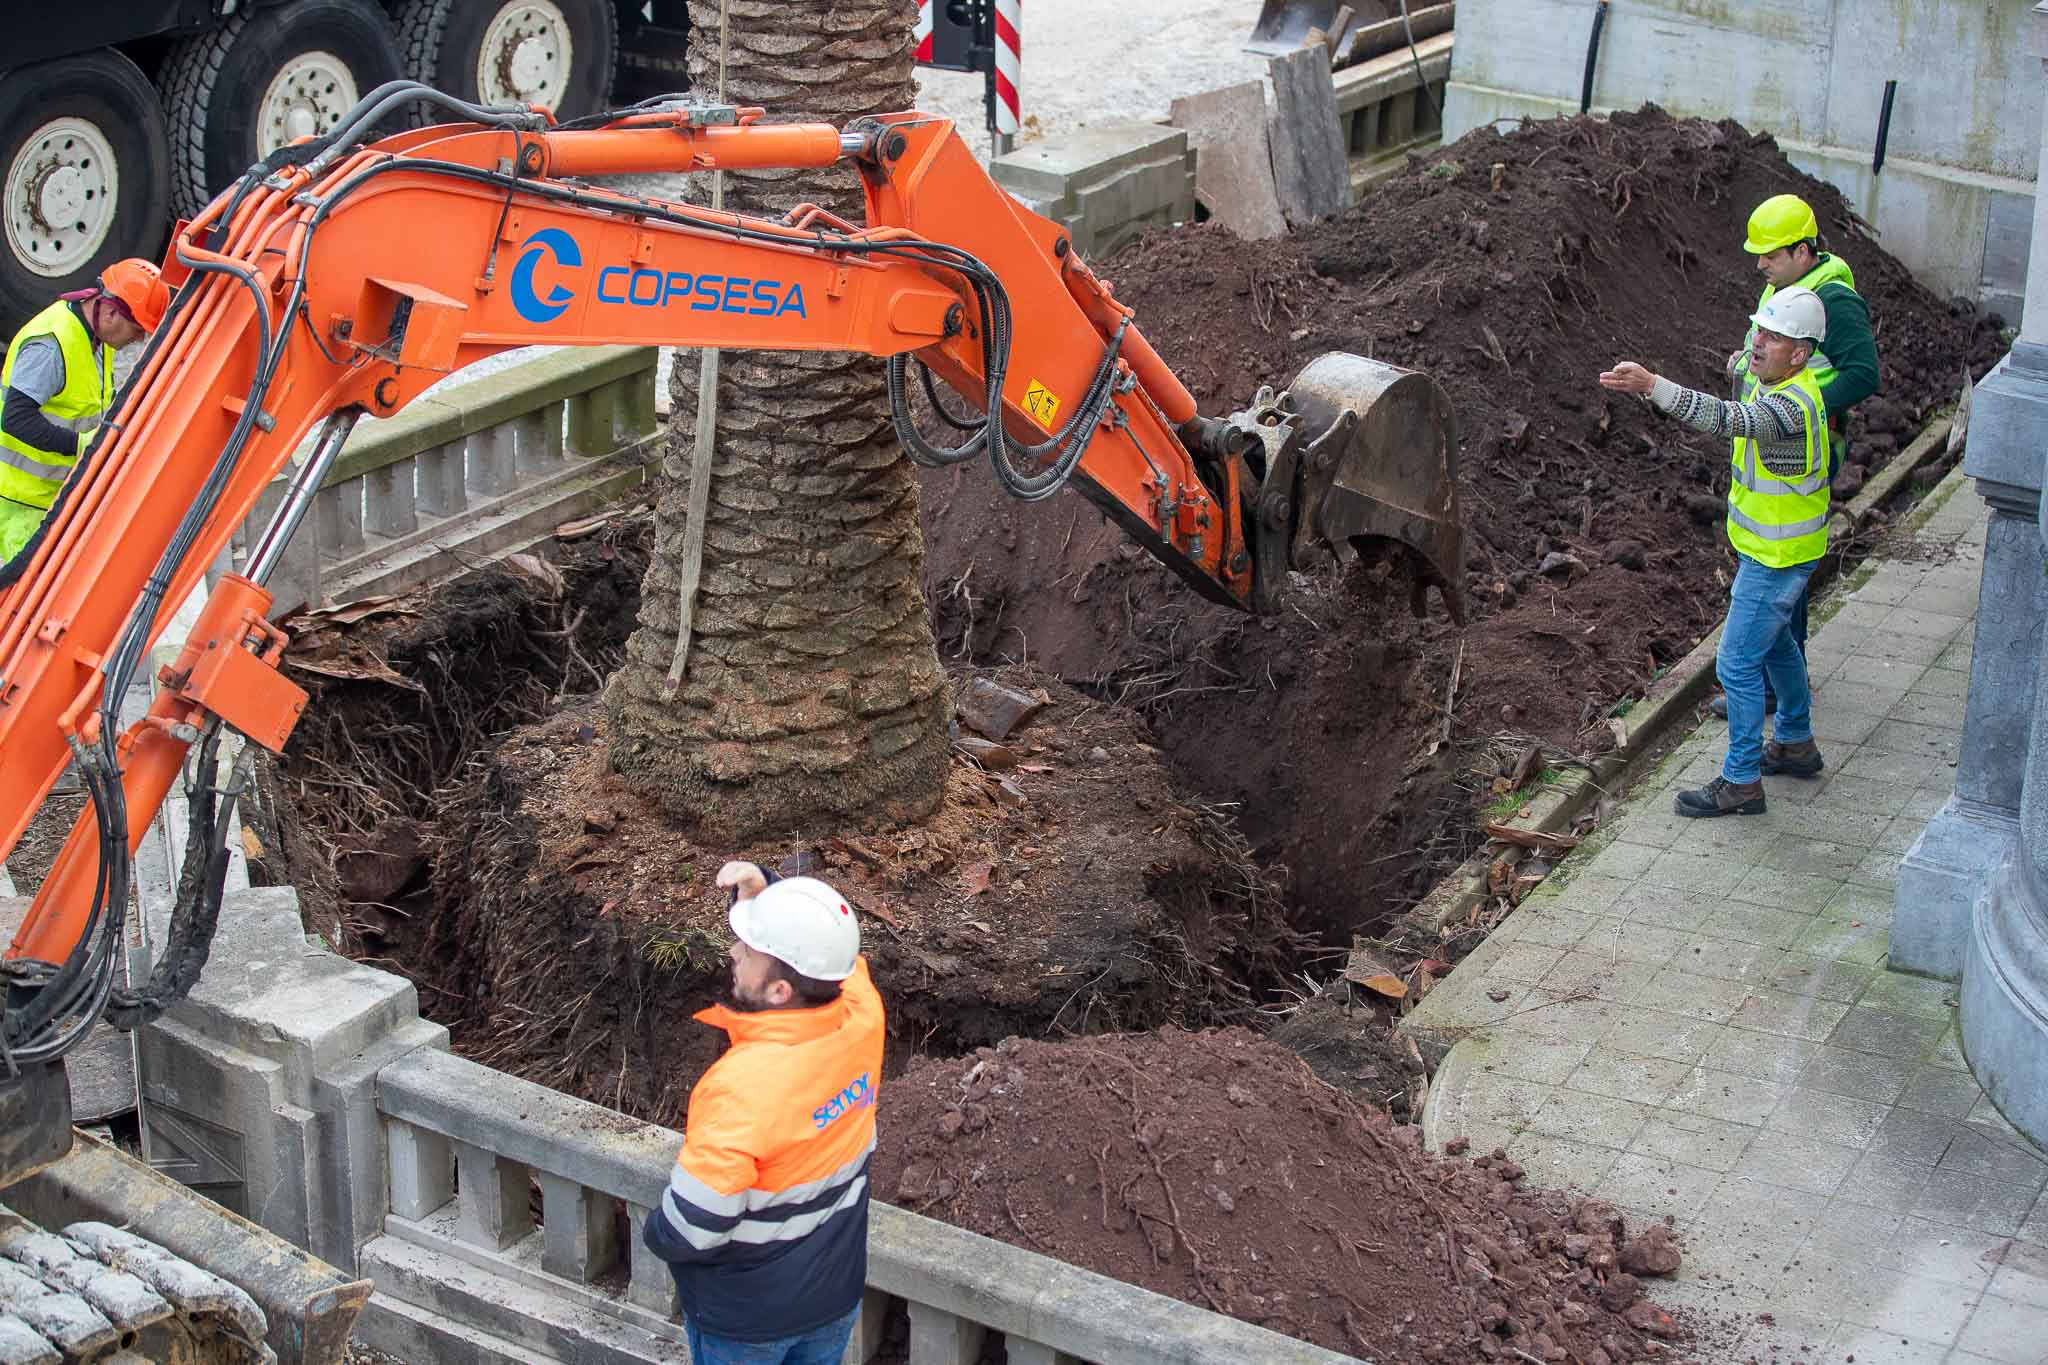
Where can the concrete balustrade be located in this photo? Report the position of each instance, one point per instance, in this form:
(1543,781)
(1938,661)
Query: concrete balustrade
(473,471)
(466,1145)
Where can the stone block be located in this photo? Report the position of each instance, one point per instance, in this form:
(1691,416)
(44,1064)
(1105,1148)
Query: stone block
(422,1169)
(578,1241)
(866,1338)
(492,1198)
(941,1338)
(651,1286)
(2005,998)
(1311,168)
(1940,879)
(2008,421)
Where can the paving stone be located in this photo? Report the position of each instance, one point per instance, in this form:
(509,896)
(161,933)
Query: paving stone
(2004,1331)
(1949,1052)
(1782,890)
(1664,907)
(1592,893)
(2009,1161)
(1858,1075)
(1899,835)
(1917,1307)
(1984,1114)
(1845,1289)
(1646,1032)
(1545,1061)
(1656,1187)
(1879,869)
(1918,649)
(1931,744)
(1702,873)
(1974,1202)
(1797,1162)
(1504,1099)
(1814,857)
(1846,692)
(1956,656)
(1842,940)
(1779,1217)
(1594,973)
(1932,624)
(1910,995)
(1943,682)
(1855,1233)
(1551,924)
(1728,960)
(1836,1119)
(1623,860)
(1558,1162)
(1523,962)
(1600,1120)
(1786,1337)
(1888,766)
(1807,974)
(1840,730)
(1889,1034)
(1701,997)
(1883,1181)
(1869,1346)
(2022,1275)
(1916,1136)
(1753,924)
(1790,1015)
(1760,1056)
(1693,1140)
(1626,1076)
(1924,708)
(1860,793)
(1725,1095)
(1945,1253)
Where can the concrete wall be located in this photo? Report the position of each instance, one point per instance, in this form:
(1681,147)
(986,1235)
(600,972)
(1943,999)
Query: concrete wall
(1955,199)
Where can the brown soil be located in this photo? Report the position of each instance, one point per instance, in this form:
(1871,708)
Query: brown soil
(1605,240)
(1215,1168)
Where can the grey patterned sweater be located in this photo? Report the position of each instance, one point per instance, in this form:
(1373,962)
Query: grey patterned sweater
(1775,421)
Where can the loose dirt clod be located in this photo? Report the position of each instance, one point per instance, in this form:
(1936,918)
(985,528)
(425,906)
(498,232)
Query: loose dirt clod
(1216,1168)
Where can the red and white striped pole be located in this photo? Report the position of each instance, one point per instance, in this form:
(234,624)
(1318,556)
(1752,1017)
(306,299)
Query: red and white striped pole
(1009,72)
(922,34)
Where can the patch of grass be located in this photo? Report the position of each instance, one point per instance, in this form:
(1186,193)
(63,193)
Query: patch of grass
(692,949)
(1444,170)
(1507,803)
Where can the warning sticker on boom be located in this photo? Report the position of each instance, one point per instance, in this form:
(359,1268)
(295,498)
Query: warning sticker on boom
(1042,404)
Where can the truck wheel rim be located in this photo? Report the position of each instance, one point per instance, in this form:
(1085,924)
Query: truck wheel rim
(525,56)
(307,97)
(62,192)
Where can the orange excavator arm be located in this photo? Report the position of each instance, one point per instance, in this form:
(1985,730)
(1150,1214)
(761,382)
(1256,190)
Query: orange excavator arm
(343,277)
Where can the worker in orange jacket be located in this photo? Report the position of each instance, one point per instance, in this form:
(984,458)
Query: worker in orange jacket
(765,1221)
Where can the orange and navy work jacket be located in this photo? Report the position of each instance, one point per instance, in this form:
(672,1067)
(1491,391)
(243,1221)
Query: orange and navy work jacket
(765,1221)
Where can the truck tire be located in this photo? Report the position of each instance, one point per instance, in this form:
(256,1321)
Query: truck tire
(85,170)
(557,53)
(264,78)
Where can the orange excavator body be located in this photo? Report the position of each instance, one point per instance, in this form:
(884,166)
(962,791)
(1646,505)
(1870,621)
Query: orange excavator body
(346,279)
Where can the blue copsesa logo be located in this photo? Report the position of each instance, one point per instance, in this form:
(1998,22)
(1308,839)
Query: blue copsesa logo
(547,242)
(641,286)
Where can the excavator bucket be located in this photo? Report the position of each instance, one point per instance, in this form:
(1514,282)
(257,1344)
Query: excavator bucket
(1284,24)
(1359,457)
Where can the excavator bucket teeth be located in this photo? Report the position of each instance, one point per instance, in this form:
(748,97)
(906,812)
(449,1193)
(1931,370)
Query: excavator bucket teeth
(1379,463)
(1283,25)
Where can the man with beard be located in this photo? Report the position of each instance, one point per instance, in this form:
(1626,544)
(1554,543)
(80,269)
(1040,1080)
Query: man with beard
(765,1221)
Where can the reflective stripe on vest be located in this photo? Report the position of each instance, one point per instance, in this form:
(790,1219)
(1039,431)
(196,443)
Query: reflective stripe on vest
(1780,521)
(30,475)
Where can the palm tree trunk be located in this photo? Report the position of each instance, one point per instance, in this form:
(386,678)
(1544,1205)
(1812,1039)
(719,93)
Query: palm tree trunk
(814,691)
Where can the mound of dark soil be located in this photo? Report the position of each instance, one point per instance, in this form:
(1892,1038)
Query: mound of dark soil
(1596,240)
(1216,1168)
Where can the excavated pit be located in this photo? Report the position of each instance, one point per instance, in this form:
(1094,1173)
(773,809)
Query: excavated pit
(1210,802)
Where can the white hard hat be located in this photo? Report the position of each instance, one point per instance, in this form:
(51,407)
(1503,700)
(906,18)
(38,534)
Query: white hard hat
(804,923)
(1794,312)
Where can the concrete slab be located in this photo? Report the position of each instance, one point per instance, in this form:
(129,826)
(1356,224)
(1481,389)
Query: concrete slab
(1233,166)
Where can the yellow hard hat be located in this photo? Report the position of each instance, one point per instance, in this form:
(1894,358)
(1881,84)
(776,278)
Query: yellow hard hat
(1778,222)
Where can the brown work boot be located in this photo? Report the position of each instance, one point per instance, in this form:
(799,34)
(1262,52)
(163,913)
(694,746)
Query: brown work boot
(1792,760)
(1721,797)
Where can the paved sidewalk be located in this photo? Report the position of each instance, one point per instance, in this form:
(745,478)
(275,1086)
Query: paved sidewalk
(1695,1019)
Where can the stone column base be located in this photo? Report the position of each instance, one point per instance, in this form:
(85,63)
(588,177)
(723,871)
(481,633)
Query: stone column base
(1940,879)
(2005,999)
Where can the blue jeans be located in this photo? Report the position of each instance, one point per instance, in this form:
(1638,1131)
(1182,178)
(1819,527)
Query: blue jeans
(1757,642)
(820,1346)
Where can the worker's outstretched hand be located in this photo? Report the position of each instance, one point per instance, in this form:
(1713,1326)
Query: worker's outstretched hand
(1628,377)
(745,878)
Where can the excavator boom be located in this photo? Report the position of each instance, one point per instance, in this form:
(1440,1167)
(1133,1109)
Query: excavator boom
(343,277)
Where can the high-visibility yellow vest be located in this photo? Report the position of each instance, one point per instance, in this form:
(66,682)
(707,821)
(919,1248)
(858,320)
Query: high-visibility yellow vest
(32,476)
(1831,270)
(1777,520)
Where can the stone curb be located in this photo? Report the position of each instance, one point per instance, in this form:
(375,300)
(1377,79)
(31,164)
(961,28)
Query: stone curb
(1670,698)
